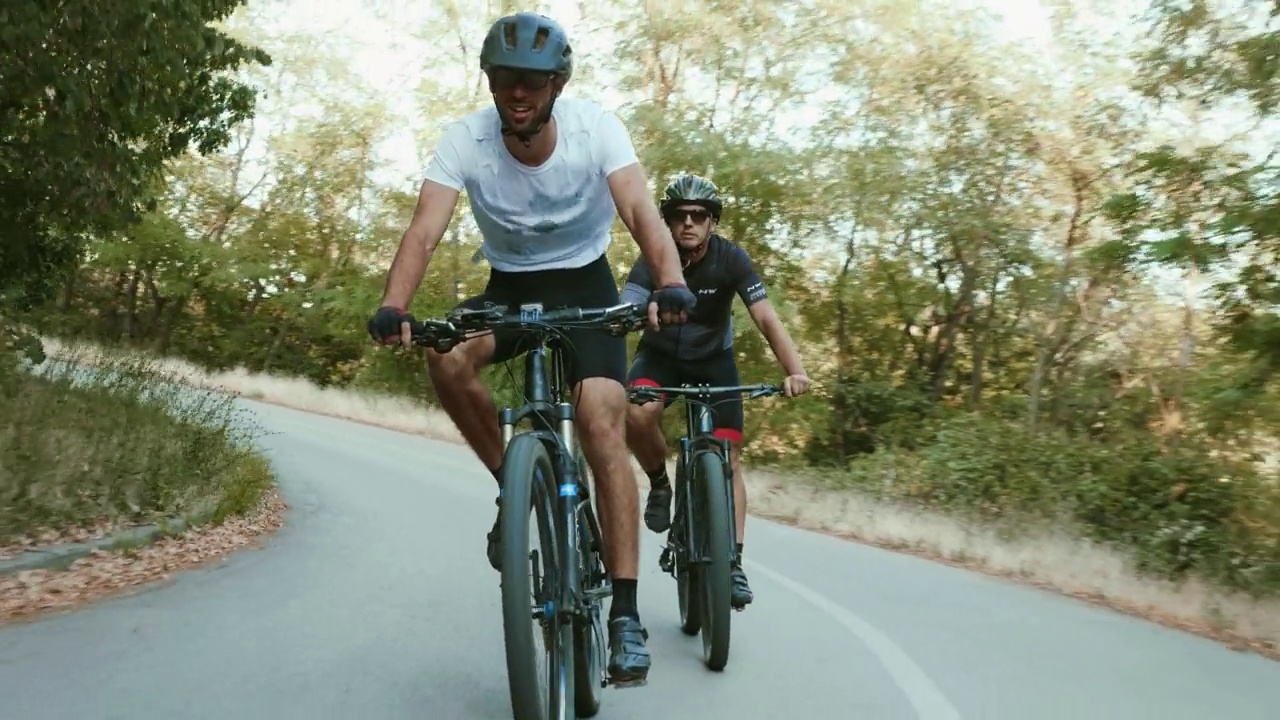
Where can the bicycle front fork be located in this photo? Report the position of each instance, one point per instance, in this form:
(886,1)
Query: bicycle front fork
(680,535)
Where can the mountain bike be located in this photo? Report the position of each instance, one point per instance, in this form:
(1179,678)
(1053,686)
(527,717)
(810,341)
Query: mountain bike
(562,587)
(700,549)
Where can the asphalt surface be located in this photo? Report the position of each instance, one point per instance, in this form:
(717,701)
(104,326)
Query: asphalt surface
(375,601)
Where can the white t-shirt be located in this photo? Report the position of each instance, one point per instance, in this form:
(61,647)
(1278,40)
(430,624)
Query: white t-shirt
(556,215)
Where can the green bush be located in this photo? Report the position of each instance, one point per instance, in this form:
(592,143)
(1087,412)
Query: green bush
(120,442)
(870,416)
(1175,510)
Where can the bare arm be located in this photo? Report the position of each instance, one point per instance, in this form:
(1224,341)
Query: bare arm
(435,207)
(640,215)
(779,340)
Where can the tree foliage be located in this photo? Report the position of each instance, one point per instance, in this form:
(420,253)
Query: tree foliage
(991,258)
(97,98)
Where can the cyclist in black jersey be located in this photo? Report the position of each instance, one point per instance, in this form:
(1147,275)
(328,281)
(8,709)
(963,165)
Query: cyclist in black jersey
(701,350)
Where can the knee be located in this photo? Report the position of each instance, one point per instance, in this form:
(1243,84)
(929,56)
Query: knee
(602,410)
(460,363)
(445,365)
(643,417)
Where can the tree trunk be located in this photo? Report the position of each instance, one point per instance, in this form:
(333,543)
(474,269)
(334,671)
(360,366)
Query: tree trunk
(130,307)
(1051,339)
(981,337)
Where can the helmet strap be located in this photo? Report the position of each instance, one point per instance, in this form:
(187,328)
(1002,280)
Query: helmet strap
(526,136)
(690,256)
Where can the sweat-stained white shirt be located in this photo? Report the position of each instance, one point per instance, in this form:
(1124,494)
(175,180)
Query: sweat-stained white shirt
(556,215)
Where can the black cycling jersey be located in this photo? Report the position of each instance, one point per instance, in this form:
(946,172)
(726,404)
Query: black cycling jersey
(725,270)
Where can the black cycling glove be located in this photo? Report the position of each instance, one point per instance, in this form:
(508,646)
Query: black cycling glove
(674,299)
(384,326)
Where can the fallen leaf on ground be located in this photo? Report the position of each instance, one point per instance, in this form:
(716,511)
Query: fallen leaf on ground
(26,594)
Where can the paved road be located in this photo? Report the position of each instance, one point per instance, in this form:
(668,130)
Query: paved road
(376,602)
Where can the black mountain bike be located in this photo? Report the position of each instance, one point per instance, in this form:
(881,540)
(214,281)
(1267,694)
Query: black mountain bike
(544,473)
(700,546)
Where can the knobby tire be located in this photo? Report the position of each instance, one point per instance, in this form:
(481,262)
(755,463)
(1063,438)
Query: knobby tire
(712,492)
(529,486)
(688,577)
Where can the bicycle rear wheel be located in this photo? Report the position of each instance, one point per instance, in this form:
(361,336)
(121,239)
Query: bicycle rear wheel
(711,492)
(530,587)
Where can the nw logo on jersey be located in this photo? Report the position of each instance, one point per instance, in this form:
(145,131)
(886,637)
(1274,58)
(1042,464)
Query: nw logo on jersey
(756,291)
(707,291)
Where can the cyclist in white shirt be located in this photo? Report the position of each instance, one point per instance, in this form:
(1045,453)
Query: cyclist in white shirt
(544,176)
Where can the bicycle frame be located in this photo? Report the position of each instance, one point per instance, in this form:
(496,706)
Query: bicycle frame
(699,438)
(580,572)
(545,396)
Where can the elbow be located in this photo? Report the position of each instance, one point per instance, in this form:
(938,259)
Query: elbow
(633,294)
(765,318)
(414,242)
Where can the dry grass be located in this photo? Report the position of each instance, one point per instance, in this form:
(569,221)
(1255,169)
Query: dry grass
(83,454)
(126,446)
(1048,560)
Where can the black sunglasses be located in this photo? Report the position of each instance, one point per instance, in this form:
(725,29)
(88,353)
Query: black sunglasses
(505,78)
(679,216)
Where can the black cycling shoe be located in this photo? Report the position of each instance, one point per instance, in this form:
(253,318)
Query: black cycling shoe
(628,656)
(657,509)
(495,540)
(741,595)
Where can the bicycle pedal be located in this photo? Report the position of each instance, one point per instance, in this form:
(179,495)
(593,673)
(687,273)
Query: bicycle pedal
(665,561)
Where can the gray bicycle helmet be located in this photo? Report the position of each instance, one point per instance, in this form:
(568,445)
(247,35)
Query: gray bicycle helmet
(527,41)
(692,190)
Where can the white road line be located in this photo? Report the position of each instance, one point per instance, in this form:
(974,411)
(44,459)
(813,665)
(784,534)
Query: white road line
(921,692)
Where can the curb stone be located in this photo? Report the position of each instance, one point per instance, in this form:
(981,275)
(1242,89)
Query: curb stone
(60,556)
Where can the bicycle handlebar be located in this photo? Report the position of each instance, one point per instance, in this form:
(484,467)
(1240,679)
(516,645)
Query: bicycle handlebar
(442,335)
(644,394)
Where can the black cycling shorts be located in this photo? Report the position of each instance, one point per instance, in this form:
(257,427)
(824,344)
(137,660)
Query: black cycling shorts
(653,370)
(589,353)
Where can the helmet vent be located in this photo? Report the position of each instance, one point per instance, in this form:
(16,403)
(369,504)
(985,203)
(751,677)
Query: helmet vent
(540,39)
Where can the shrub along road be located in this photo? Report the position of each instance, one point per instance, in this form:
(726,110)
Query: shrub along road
(376,600)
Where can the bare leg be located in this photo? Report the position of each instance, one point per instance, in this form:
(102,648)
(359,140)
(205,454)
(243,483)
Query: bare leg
(739,492)
(602,414)
(602,407)
(741,593)
(644,435)
(468,403)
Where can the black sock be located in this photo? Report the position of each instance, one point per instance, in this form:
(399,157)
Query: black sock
(624,600)
(658,478)
(739,551)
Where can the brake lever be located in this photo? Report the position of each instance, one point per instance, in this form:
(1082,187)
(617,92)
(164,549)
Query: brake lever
(644,395)
(461,316)
(765,392)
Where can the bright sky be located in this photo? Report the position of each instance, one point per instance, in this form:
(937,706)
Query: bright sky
(384,41)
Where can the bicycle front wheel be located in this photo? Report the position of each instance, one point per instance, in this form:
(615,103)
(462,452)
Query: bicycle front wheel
(711,492)
(590,647)
(688,575)
(540,678)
